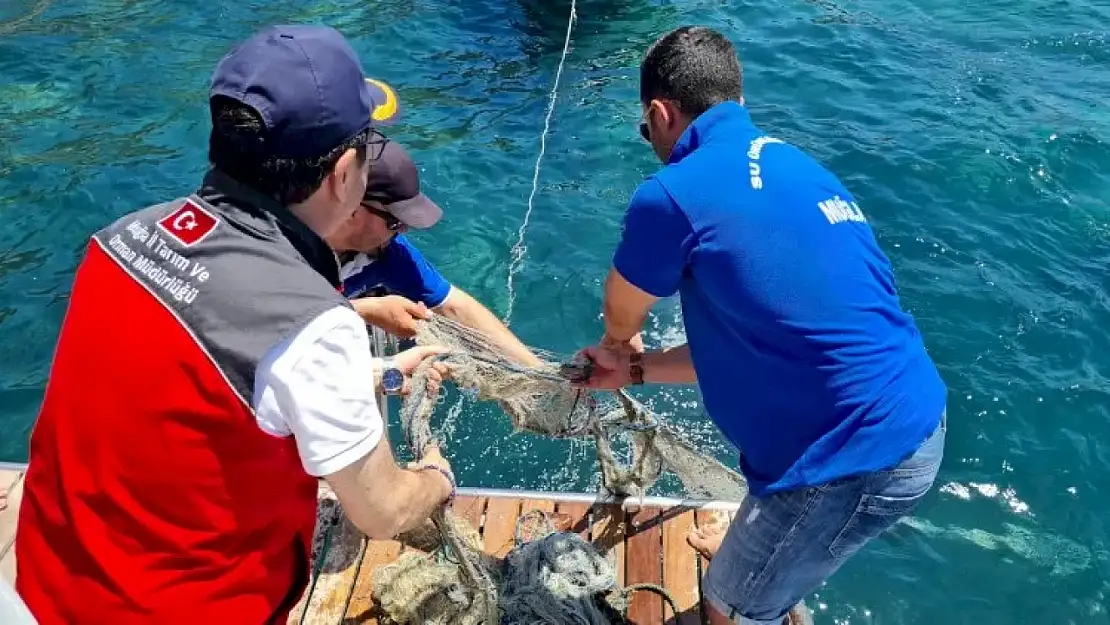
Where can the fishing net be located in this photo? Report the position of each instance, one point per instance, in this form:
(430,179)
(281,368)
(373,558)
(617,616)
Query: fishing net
(541,400)
(549,576)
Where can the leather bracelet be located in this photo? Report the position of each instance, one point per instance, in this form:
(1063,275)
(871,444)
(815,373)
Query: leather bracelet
(636,367)
(450,478)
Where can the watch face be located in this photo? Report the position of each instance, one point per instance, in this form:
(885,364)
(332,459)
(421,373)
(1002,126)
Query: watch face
(392,380)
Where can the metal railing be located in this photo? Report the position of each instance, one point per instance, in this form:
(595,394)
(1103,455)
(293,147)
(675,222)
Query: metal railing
(591,499)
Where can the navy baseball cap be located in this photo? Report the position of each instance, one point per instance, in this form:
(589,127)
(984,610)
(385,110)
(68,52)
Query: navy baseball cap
(307,85)
(395,182)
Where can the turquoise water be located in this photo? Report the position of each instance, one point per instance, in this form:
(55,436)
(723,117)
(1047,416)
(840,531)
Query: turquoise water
(975,135)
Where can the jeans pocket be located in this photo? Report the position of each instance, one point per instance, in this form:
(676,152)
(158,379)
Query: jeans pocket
(873,515)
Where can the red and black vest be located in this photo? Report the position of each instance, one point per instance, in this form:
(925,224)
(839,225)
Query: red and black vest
(152,495)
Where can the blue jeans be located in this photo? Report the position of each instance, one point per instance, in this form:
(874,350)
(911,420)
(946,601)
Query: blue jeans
(783,546)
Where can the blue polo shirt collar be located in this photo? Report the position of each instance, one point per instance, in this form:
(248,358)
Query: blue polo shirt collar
(729,118)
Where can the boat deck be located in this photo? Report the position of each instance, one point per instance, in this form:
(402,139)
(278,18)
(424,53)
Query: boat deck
(646,546)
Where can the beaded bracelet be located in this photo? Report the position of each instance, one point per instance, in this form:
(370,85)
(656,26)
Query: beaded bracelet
(450,478)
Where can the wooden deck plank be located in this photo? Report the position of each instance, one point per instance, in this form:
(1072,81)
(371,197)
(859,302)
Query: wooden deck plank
(9,513)
(545,505)
(607,533)
(499,532)
(644,564)
(701,519)
(471,510)
(361,609)
(339,568)
(680,568)
(574,517)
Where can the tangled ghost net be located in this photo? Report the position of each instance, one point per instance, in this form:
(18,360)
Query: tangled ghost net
(540,400)
(555,577)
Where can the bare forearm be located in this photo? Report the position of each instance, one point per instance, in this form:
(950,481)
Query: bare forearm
(383,499)
(620,325)
(669,366)
(625,308)
(461,307)
(410,501)
(417,494)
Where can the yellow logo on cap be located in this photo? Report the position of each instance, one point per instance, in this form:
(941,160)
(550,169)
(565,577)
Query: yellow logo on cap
(387,109)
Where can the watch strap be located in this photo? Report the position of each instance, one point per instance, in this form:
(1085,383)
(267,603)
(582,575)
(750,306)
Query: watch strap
(636,367)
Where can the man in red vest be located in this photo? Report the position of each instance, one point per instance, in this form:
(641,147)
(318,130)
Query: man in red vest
(209,371)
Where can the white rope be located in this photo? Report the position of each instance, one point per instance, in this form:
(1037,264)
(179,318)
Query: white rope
(519,249)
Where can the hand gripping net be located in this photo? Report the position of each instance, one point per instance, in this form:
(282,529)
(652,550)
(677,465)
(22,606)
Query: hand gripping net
(557,577)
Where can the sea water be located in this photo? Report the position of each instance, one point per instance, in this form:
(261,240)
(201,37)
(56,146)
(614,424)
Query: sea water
(975,137)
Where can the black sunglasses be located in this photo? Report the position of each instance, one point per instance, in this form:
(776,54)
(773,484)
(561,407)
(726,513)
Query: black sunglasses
(375,144)
(645,132)
(391,223)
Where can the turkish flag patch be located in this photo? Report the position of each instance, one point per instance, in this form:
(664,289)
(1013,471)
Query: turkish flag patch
(189,224)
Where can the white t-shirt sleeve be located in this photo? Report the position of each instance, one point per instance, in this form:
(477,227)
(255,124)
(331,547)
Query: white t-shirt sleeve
(318,386)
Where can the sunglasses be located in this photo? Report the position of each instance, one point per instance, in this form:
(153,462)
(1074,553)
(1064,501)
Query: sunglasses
(645,130)
(375,145)
(391,223)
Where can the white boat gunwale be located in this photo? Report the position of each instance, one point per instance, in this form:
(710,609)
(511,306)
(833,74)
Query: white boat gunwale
(556,496)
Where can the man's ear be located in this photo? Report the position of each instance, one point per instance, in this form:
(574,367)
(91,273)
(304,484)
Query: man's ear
(659,111)
(340,178)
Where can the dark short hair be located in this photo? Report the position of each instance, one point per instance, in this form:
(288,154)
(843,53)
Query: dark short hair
(236,146)
(693,66)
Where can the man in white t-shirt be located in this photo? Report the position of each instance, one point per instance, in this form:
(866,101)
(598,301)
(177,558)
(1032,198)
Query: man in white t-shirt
(209,372)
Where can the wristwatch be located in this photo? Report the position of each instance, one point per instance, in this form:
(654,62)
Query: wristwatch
(393,379)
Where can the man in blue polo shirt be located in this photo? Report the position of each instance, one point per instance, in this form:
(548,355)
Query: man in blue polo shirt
(391,284)
(805,360)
